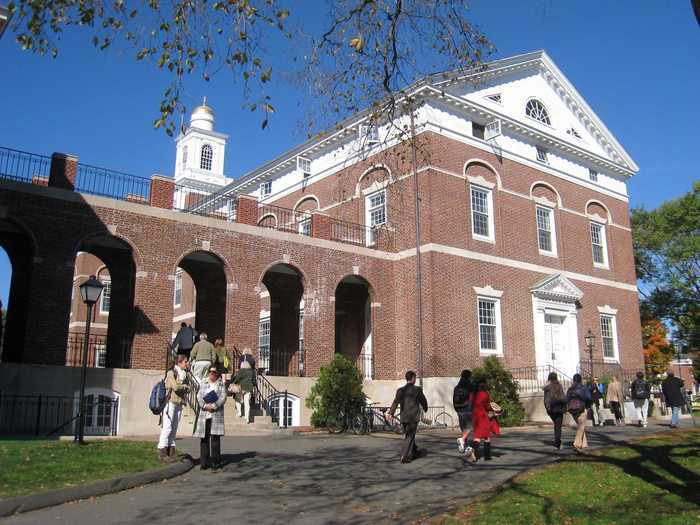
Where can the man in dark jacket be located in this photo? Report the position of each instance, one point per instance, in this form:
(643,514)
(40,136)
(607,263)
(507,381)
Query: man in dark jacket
(641,392)
(411,399)
(672,388)
(184,340)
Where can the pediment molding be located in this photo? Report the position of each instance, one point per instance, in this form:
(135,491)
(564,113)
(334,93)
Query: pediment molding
(557,288)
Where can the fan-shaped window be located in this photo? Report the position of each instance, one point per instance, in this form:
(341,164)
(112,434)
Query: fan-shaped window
(535,109)
(207,155)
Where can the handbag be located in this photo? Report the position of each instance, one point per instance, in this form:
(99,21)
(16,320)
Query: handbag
(234,388)
(495,409)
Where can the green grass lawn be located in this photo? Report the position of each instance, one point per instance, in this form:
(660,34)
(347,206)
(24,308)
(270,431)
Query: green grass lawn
(651,481)
(36,466)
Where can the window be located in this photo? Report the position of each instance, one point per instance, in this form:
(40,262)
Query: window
(177,296)
(598,244)
(478,130)
(304,165)
(369,134)
(482,225)
(106,296)
(607,332)
(535,109)
(184,157)
(207,156)
(493,129)
(545,230)
(100,356)
(494,98)
(489,330)
(592,175)
(301,341)
(305,227)
(375,206)
(265,188)
(542,154)
(264,342)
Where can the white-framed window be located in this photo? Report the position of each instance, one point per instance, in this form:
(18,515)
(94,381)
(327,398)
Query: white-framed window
(478,130)
(277,411)
(482,215)
(489,317)
(177,296)
(100,356)
(375,212)
(608,332)
(535,109)
(264,342)
(592,175)
(546,236)
(106,296)
(304,165)
(599,245)
(184,157)
(542,154)
(493,129)
(206,157)
(265,188)
(369,134)
(301,341)
(305,227)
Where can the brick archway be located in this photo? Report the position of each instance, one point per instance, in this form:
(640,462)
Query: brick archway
(353,322)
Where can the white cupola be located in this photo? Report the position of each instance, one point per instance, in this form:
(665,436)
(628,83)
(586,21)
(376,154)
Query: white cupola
(199,161)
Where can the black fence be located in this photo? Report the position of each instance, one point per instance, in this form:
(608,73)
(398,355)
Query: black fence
(113,184)
(284,219)
(120,357)
(196,201)
(352,233)
(281,362)
(43,415)
(24,167)
(534,378)
(365,365)
(377,421)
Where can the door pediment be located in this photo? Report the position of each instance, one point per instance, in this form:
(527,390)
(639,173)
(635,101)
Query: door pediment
(557,288)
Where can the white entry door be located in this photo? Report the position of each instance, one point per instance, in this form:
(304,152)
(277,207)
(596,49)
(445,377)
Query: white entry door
(555,342)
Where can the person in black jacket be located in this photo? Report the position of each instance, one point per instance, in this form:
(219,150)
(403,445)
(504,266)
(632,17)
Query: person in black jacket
(462,402)
(672,388)
(555,405)
(640,391)
(411,399)
(184,340)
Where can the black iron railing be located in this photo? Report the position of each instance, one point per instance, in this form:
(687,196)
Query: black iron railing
(365,365)
(189,199)
(97,351)
(352,233)
(113,184)
(534,378)
(41,415)
(434,417)
(281,362)
(284,219)
(24,167)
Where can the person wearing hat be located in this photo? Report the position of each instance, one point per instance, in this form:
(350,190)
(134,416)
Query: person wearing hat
(210,420)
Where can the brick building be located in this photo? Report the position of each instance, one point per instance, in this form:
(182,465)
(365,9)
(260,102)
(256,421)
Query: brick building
(525,242)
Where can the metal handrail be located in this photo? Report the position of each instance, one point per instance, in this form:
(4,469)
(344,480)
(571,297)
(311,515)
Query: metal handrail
(23,166)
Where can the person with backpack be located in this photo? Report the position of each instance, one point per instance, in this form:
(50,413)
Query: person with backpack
(184,340)
(245,379)
(672,387)
(596,395)
(641,392)
(462,403)
(555,405)
(577,397)
(210,420)
(614,398)
(176,388)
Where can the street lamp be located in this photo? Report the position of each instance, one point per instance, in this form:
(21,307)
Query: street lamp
(590,341)
(90,291)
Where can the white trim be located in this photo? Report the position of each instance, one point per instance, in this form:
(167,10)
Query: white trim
(547,185)
(604,245)
(375,187)
(488,291)
(607,309)
(491,237)
(543,305)
(178,273)
(499,326)
(476,161)
(307,197)
(552,230)
(107,284)
(480,181)
(81,324)
(182,317)
(598,217)
(613,329)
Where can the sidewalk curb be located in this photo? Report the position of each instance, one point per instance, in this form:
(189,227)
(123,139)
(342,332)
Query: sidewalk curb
(20,504)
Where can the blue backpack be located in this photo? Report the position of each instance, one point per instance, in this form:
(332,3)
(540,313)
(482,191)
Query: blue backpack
(159,397)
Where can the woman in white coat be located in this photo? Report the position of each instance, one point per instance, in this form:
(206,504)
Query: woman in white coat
(210,421)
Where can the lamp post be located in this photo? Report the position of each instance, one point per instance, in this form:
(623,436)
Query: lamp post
(590,340)
(679,350)
(90,291)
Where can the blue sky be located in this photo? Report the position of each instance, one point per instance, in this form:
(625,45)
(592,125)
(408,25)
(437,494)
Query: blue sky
(636,64)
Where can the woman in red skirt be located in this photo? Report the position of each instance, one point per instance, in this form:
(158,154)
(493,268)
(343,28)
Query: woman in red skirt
(484,421)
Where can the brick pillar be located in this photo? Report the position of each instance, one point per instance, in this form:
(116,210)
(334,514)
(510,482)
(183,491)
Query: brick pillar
(162,190)
(320,225)
(64,170)
(153,306)
(247,210)
(319,331)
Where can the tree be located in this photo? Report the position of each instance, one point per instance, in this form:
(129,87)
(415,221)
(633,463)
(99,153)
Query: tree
(369,49)
(658,352)
(337,395)
(667,259)
(502,389)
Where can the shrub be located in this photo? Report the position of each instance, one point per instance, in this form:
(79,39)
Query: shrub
(502,389)
(337,394)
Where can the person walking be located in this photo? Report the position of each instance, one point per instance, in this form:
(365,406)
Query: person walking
(462,403)
(555,405)
(247,360)
(222,359)
(484,420)
(184,340)
(641,392)
(210,420)
(177,388)
(596,395)
(202,357)
(614,397)
(411,399)
(672,387)
(245,379)
(577,397)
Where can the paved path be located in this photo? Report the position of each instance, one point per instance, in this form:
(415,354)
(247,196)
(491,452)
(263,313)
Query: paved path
(323,479)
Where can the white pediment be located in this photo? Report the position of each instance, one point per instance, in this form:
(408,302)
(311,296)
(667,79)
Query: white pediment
(557,287)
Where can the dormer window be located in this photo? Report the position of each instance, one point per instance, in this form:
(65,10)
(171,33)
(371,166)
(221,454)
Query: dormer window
(304,165)
(496,97)
(206,157)
(542,154)
(535,109)
(369,134)
(265,188)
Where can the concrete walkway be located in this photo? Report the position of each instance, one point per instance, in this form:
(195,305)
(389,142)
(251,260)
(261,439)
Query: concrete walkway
(325,479)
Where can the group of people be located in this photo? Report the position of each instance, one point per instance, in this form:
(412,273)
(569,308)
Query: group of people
(580,398)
